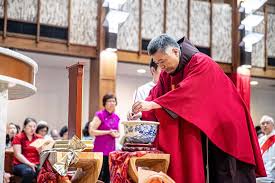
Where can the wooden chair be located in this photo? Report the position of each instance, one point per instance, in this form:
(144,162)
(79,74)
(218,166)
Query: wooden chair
(9,155)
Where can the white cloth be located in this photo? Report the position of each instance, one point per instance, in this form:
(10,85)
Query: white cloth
(143,91)
(268,156)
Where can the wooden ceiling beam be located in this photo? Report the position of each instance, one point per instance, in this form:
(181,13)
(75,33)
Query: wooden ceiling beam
(264,73)
(133,57)
(51,47)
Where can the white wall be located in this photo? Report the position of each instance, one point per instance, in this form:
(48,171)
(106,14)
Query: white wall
(127,81)
(262,99)
(126,85)
(50,103)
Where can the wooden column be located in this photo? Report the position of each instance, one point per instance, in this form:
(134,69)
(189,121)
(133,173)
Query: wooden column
(75,100)
(95,65)
(140,28)
(235,36)
(108,67)
(102,69)
(38,21)
(5,19)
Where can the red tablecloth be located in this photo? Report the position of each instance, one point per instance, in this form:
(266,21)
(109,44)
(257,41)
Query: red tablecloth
(118,164)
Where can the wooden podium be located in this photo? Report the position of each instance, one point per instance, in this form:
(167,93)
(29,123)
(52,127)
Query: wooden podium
(155,162)
(90,162)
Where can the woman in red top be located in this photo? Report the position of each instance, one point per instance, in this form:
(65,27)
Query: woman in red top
(26,157)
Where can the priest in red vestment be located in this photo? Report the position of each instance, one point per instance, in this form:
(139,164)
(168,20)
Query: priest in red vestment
(203,119)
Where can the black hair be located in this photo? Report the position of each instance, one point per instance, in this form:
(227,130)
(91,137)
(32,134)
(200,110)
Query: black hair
(63,130)
(153,64)
(85,130)
(18,128)
(107,97)
(161,43)
(40,127)
(258,130)
(28,120)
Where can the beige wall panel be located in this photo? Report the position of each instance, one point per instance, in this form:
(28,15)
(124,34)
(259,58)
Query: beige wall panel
(152,18)
(54,12)
(1,8)
(271,35)
(200,23)
(127,38)
(176,23)
(258,57)
(83,22)
(24,10)
(221,34)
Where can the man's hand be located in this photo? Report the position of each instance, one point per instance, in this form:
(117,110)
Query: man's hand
(133,116)
(144,106)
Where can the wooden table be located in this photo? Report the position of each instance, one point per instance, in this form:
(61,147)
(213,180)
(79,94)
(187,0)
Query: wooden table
(155,162)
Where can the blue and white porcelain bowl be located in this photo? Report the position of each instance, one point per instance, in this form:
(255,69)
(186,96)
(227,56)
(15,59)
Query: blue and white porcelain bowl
(143,132)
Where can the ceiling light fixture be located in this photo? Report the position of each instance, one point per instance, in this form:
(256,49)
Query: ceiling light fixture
(141,71)
(254,83)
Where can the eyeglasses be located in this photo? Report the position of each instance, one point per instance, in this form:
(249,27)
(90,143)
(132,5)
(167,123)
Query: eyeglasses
(265,123)
(109,101)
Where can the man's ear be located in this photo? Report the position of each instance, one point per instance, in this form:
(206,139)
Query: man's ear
(152,70)
(176,51)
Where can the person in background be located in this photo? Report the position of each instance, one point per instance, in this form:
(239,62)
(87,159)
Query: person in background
(42,129)
(259,132)
(26,157)
(104,127)
(143,91)
(12,130)
(267,145)
(42,122)
(64,133)
(86,133)
(54,134)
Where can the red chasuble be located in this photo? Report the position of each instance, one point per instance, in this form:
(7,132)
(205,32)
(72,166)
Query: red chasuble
(205,100)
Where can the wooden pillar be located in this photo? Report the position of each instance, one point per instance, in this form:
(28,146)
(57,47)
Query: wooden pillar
(75,100)
(235,36)
(102,79)
(38,21)
(102,69)
(140,28)
(108,67)
(240,76)
(95,65)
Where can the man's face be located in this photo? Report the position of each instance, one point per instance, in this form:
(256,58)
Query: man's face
(167,61)
(267,127)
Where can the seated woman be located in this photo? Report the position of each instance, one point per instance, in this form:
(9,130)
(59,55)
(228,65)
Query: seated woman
(105,128)
(42,129)
(85,132)
(12,130)
(26,157)
(64,133)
